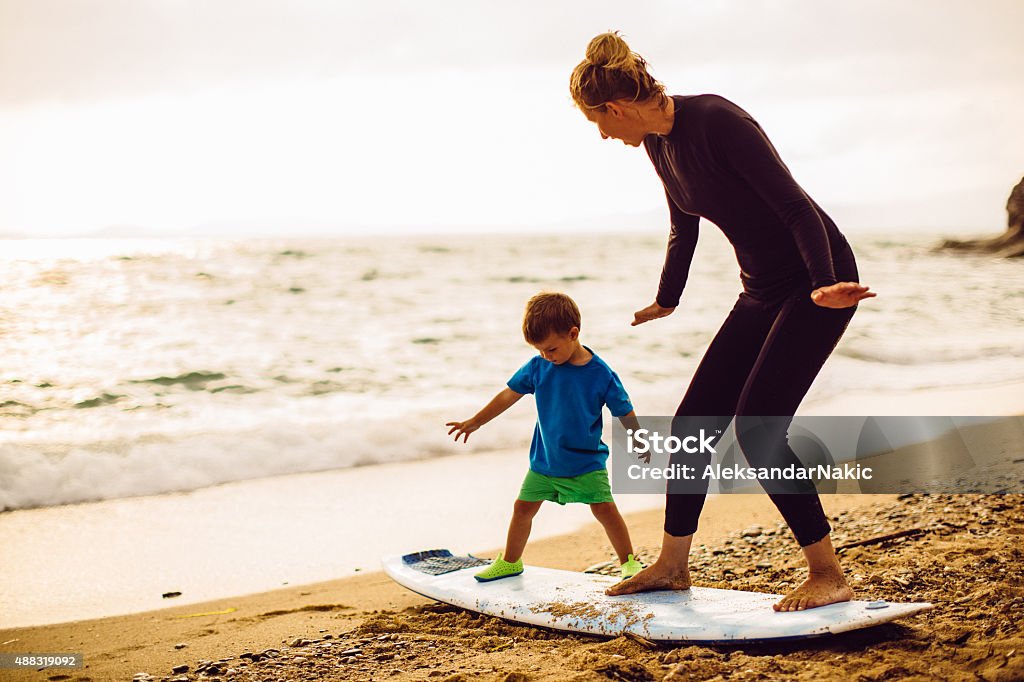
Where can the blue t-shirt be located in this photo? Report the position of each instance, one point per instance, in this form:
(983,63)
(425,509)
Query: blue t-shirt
(567,438)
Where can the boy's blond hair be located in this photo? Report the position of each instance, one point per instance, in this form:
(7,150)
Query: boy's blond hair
(547,313)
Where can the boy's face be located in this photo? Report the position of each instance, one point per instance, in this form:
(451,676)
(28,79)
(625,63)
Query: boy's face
(558,348)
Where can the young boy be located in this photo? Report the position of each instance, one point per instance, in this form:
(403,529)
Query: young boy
(567,458)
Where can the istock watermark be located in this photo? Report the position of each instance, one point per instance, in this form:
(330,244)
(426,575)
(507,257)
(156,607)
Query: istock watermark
(643,441)
(717,472)
(797,455)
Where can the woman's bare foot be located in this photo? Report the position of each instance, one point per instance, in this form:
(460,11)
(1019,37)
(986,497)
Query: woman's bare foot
(817,590)
(825,582)
(654,577)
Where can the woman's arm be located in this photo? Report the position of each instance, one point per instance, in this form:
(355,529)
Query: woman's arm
(750,153)
(682,241)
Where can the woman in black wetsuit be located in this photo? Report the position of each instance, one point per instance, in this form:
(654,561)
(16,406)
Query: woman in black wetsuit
(799,278)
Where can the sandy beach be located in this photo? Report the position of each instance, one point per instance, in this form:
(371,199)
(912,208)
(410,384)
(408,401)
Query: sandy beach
(964,555)
(961,552)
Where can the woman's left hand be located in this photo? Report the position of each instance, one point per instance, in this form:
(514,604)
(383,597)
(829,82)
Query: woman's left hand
(841,295)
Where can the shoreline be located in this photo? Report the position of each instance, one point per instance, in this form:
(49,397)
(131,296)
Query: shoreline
(293,529)
(128,552)
(964,556)
(367,627)
(120,646)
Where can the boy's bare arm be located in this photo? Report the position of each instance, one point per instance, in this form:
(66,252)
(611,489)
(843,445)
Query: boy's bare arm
(501,402)
(630,421)
(632,424)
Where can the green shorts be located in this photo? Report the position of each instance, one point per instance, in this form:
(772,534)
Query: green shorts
(589,488)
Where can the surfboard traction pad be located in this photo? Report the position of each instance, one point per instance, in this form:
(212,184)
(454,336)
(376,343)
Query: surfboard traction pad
(440,561)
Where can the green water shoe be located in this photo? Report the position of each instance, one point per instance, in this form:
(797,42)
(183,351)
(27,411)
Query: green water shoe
(630,568)
(500,569)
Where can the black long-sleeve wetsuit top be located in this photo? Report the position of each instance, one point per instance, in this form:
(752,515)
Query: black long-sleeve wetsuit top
(717,163)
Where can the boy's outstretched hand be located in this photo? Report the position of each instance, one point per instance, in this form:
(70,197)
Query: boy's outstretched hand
(499,403)
(462,429)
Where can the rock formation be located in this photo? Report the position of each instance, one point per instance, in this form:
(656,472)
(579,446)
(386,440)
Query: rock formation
(1010,243)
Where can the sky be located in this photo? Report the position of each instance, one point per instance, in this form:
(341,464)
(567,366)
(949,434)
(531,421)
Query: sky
(139,117)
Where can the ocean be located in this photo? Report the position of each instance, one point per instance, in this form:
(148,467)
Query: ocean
(137,367)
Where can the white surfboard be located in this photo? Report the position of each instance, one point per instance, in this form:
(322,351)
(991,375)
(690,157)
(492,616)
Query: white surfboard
(576,602)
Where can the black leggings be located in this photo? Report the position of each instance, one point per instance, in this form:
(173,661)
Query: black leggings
(762,362)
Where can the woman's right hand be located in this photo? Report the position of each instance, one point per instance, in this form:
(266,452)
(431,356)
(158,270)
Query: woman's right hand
(651,312)
(841,295)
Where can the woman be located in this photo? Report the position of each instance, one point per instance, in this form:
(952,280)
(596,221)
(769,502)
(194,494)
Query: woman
(799,280)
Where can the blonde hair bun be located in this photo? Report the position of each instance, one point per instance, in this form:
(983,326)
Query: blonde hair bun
(612,71)
(610,51)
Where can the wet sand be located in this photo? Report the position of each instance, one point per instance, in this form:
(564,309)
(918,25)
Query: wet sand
(963,553)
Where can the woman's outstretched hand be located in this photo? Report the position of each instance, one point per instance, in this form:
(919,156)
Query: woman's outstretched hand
(841,295)
(651,312)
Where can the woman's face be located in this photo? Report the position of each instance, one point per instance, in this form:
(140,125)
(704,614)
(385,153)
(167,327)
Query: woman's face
(618,122)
